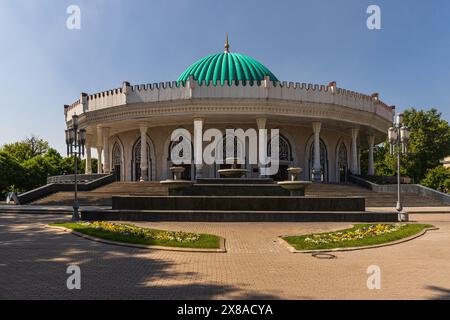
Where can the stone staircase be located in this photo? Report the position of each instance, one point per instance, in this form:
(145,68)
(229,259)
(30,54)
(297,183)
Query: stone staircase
(102,196)
(373,199)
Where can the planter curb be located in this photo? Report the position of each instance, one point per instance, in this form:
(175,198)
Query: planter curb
(392,243)
(222,248)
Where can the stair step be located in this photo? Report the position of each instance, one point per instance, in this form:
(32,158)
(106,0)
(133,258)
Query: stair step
(238,216)
(102,196)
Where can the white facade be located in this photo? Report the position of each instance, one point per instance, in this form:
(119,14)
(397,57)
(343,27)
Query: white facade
(323,127)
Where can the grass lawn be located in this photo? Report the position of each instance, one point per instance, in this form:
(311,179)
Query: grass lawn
(128,233)
(358,236)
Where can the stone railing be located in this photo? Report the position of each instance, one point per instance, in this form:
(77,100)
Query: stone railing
(385,179)
(70,178)
(406,188)
(48,189)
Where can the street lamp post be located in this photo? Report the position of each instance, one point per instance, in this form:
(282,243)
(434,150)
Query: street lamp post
(75,141)
(398,136)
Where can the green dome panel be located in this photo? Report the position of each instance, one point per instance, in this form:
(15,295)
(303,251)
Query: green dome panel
(227,67)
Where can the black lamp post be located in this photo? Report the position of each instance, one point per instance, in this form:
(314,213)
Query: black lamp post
(398,139)
(75,141)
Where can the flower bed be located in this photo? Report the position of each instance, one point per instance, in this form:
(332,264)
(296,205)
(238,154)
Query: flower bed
(349,235)
(132,230)
(360,235)
(134,234)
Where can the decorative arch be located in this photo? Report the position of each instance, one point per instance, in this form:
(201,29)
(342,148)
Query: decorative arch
(324,162)
(189,172)
(117,146)
(136,160)
(286,158)
(240,148)
(342,161)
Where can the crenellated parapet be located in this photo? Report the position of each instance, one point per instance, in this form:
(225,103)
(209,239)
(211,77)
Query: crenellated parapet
(266,89)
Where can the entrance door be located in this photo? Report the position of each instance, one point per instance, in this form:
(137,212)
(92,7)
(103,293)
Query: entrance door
(117,172)
(342,163)
(282,174)
(342,174)
(117,161)
(136,162)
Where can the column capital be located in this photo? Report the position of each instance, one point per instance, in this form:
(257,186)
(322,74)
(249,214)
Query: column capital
(89,140)
(261,122)
(355,132)
(143,128)
(99,136)
(105,131)
(317,126)
(371,140)
(202,119)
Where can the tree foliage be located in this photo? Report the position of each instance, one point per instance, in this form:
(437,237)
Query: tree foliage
(429,143)
(26,149)
(26,164)
(11,173)
(438,178)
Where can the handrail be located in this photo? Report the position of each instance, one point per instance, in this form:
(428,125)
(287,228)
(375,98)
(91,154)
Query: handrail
(48,189)
(70,178)
(407,188)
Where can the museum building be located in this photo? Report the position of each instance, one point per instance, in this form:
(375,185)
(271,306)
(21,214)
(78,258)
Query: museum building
(322,128)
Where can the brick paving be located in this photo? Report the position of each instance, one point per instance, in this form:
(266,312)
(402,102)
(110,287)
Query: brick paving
(33,262)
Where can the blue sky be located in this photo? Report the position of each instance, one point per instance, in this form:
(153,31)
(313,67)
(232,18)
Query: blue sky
(43,65)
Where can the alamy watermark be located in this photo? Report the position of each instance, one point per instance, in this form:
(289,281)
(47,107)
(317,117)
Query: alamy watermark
(374,279)
(73,21)
(374,20)
(74,280)
(236,146)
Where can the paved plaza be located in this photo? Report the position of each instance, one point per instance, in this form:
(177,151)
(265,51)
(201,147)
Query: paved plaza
(34,259)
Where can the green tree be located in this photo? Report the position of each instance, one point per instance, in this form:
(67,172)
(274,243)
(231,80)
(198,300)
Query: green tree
(429,143)
(38,169)
(26,164)
(68,166)
(27,149)
(12,174)
(438,178)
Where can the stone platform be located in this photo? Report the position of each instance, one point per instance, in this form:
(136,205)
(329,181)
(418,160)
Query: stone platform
(231,187)
(238,203)
(235,199)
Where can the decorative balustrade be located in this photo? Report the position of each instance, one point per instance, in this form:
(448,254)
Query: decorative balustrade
(266,89)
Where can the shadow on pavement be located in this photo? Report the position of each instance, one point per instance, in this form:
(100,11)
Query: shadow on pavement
(34,260)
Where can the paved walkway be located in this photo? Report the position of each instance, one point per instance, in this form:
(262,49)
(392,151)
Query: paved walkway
(33,262)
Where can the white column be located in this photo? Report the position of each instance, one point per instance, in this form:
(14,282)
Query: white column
(316,166)
(107,163)
(198,147)
(88,166)
(99,161)
(144,157)
(261,123)
(355,132)
(371,170)
(99,149)
(359,161)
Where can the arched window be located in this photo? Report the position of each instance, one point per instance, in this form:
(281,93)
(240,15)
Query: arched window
(117,161)
(342,163)
(136,161)
(188,168)
(323,162)
(284,156)
(238,149)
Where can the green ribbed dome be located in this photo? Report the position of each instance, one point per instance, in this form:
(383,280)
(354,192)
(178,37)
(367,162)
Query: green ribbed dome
(227,67)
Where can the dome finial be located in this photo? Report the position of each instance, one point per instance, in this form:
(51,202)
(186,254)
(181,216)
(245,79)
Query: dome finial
(227,45)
